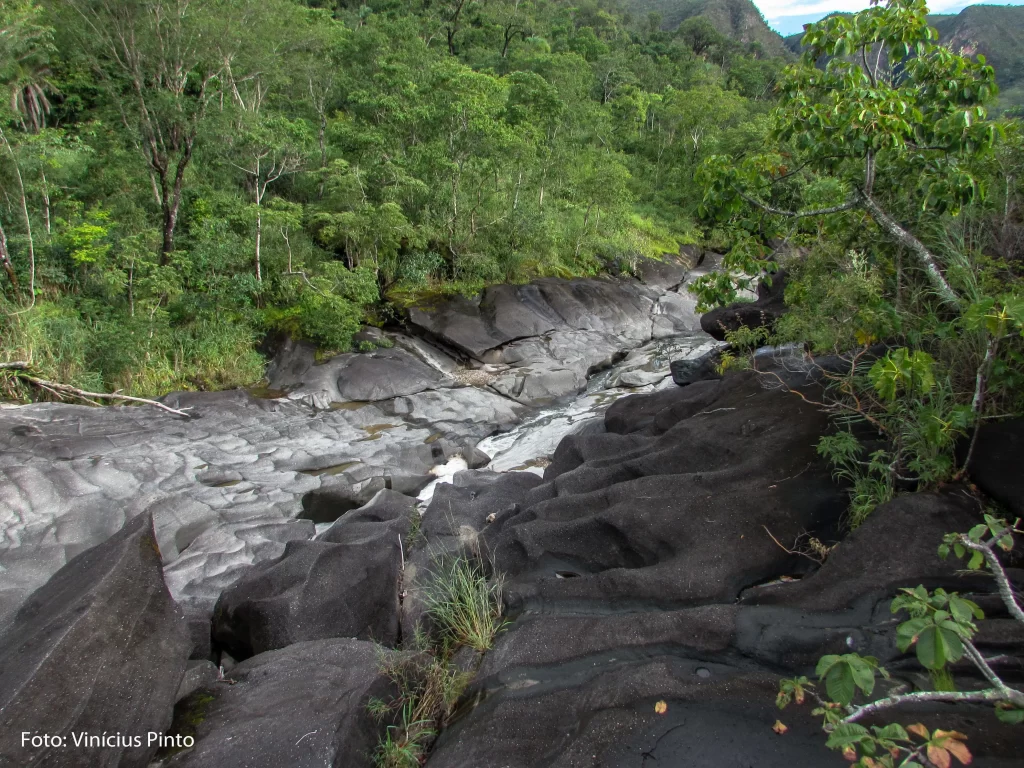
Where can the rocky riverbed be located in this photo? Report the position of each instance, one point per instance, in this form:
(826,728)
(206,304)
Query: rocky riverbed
(651,610)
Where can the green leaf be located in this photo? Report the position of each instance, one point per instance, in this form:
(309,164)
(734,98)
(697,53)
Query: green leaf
(1011,716)
(863,675)
(847,734)
(840,684)
(937,646)
(964,610)
(892,731)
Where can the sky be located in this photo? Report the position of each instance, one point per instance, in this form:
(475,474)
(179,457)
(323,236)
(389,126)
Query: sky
(789,16)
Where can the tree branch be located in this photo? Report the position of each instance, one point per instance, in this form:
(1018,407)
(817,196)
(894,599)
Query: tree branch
(66,390)
(989,694)
(1005,588)
(848,205)
(931,266)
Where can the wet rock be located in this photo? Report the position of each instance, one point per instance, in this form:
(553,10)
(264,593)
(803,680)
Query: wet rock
(468,411)
(223,487)
(675,313)
(475,458)
(343,584)
(101,647)
(303,706)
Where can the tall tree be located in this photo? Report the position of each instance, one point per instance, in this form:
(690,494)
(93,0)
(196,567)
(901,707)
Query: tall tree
(159,59)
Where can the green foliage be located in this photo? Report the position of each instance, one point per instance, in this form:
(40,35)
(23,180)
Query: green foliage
(306,168)
(463,611)
(940,628)
(843,675)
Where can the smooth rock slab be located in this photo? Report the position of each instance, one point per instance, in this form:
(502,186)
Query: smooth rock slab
(344,584)
(223,486)
(360,377)
(101,647)
(303,706)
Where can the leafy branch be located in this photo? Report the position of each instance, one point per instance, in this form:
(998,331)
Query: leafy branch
(940,628)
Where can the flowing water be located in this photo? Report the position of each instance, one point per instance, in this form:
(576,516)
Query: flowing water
(529,446)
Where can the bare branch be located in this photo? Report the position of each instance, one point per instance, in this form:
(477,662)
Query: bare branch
(66,390)
(1005,588)
(920,697)
(848,205)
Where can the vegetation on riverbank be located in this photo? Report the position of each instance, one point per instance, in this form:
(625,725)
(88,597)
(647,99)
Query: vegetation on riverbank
(182,178)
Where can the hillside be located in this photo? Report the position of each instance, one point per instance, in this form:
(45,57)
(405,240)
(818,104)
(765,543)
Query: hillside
(996,31)
(738,19)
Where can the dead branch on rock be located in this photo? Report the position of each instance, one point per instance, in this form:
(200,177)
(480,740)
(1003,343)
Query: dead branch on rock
(21,371)
(811,548)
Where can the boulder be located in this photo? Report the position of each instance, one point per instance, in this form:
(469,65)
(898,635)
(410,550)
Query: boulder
(360,377)
(675,313)
(995,465)
(303,706)
(504,313)
(670,270)
(343,584)
(764,312)
(620,512)
(689,370)
(101,647)
(468,410)
(642,570)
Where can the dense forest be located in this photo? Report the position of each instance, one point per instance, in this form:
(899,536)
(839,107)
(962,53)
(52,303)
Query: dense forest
(181,178)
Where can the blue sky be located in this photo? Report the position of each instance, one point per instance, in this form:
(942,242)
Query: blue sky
(789,16)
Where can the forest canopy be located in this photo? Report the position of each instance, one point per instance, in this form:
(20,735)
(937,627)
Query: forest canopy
(184,178)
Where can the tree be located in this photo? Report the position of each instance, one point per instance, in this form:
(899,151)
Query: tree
(25,45)
(159,60)
(906,124)
(699,34)
(266,148)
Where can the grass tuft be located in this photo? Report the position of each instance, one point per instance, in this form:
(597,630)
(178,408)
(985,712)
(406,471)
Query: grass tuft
(464,607)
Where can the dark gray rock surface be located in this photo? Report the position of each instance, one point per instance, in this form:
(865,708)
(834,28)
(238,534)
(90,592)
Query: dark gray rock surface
(996,463)
(343,584)
(101,647)
(640,570)
(303,706)
(764,311)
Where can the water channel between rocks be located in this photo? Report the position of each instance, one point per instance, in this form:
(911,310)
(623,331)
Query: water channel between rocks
(529,445)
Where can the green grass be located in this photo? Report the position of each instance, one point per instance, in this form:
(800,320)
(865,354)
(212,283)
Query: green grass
(464,607)
(464,610)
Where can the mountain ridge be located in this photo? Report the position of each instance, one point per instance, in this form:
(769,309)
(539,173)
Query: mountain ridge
(738,19)
(995,31)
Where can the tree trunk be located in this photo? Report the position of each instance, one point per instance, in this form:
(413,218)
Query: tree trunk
(46,202)
(27,219)
(931,266)
(5,260)
(259,237)
(170,222)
